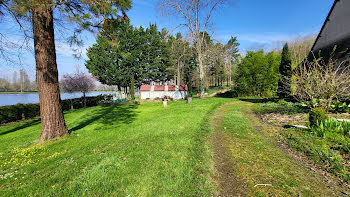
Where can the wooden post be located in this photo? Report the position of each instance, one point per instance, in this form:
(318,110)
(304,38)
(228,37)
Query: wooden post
(189,99)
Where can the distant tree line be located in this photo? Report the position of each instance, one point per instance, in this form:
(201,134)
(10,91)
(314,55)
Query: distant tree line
(20,82)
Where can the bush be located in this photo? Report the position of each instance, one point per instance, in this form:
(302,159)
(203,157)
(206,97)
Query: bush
(340,107)
(18,112)
(331,126)
(282,108)
(282,102)
(317,116)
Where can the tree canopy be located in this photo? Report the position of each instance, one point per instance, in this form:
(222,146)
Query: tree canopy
(123,51)
(257,74)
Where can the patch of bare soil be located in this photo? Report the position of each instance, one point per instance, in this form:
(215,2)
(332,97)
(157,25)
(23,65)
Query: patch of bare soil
(340,116)
(228,183)
(284,119)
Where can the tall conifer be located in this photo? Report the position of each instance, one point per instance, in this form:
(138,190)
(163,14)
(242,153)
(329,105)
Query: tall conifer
(285,70)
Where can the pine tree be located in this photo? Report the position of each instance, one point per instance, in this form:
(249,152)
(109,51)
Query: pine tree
(123,51)
(285,71)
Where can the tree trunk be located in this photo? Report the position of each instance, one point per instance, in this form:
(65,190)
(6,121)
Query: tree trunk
(52,119)
(84,99)
(178,82)
(201,75)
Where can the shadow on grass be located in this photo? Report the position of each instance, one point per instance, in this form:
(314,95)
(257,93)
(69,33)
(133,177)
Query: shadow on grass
(110,115)
(227,94)
(260,100)
(22,126)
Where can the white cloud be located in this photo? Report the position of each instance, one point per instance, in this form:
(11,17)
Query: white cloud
(65,50)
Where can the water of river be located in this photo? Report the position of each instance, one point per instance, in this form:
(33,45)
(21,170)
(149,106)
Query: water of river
(12,99)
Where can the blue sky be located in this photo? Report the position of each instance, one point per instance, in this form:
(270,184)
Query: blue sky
(256,23)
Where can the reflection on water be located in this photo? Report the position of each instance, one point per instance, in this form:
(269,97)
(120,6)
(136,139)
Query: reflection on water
(12,99)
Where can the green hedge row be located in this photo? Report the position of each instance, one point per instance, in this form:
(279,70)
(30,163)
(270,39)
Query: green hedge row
(17,112)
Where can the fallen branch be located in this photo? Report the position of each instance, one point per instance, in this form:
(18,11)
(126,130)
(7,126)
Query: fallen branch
(262,185)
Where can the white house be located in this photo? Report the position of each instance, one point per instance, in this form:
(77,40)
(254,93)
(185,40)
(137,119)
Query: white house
(159,91)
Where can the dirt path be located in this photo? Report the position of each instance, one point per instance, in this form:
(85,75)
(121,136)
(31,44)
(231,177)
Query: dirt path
(228,183)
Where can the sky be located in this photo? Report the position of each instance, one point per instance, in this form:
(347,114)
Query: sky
(256,23)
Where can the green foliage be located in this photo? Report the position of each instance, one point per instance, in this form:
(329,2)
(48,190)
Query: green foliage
(285,71)
(18,112)
(331,126)
(316,103)
(282,102)
(324,151)
(282,107)
(340,107)
(317,116)
(123,50)
(257,74)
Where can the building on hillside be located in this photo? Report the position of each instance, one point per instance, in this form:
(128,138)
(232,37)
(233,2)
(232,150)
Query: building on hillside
(335,32)
(159,91)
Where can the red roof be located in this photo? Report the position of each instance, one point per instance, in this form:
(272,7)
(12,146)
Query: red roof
(159,88)
(145,88)
(171,87)
(183,87)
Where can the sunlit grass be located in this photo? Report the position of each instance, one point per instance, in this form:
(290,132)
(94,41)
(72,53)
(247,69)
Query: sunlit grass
(136,150)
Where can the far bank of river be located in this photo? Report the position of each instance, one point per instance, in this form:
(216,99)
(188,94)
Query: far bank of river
(15,98)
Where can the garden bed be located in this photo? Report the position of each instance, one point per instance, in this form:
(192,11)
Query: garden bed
(328,147)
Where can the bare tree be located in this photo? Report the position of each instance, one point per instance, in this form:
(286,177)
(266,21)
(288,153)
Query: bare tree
(78,82)
(300,48)
(196,14)
(318,82)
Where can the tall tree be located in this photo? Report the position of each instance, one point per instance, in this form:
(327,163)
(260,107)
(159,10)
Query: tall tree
(197,15)
(257,74)
(88,15)
(123,51)
(285,71)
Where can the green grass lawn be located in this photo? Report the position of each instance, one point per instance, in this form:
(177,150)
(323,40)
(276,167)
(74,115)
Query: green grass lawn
(147,150)
(136,150)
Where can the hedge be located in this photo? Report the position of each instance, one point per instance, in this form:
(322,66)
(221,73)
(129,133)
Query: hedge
(12,113)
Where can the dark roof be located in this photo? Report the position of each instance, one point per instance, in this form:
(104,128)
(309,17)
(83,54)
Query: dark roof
(145,88)
(335,32)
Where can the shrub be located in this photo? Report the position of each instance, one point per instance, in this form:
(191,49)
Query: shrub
(282,102)
(331,126)
(340,107)
(17,112)
(317,116)
(287,108)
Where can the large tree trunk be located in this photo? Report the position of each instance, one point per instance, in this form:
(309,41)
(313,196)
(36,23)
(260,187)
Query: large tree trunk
(52,119)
